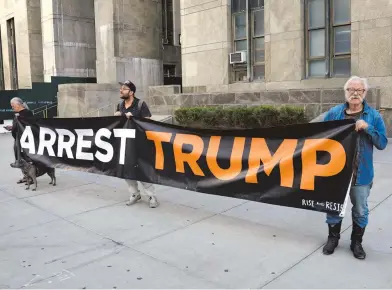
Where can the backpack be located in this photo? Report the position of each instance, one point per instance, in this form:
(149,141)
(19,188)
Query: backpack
(140,104)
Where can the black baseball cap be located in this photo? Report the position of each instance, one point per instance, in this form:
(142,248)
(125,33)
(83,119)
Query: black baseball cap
(130,85)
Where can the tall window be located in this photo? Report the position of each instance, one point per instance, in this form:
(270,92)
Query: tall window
(248,35)
(328,38)
(167,21)
(2,84)
(257,16)
(12,53)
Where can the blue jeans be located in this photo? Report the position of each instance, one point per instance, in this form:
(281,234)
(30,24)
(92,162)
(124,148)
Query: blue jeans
(360,212)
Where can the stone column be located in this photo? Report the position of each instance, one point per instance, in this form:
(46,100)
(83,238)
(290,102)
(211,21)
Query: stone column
(68,34)
(128,40)
(5,13)
(33,64)
(176,22)
(28,41)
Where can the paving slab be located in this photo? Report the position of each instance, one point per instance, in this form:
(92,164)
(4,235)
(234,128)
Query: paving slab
(36,253)
(230,251)
(125,269)
(139,223)
(64,182)
(383,156)
(16,215)
(297,221)
(382,182)
(340,271)
(71,234)
(78,199)
(5,196)
(378,235)
(208,202)
(6,157)
(187,198)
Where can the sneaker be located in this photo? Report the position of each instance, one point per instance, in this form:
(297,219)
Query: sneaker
(153,202)
(134,199)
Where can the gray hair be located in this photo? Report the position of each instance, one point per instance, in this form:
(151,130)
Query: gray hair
(356,78)
(19,101)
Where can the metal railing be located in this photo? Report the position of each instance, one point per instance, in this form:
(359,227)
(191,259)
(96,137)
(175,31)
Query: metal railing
(94,113)
(44,110)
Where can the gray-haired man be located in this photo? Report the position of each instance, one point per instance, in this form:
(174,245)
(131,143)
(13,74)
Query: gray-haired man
(371,129)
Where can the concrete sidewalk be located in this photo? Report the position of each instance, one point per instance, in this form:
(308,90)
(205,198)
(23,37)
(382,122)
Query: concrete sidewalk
(80,234)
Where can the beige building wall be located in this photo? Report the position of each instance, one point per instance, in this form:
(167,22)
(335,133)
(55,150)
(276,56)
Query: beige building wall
(28,40)
(205,41)
(371,43)
(283,40)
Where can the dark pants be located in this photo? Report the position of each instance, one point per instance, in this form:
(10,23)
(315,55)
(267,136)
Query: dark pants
(15,151)
(22,155)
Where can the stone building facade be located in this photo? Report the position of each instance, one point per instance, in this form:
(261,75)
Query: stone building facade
(301,45)
(287,43)
(282,51)
(110,40)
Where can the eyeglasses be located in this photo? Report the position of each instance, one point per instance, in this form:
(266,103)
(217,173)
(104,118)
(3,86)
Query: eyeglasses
(359,91)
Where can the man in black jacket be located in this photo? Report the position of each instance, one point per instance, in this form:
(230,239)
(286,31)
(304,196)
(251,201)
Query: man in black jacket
(133,106)
(21,109)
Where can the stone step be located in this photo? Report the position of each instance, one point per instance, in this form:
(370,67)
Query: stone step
(163,118)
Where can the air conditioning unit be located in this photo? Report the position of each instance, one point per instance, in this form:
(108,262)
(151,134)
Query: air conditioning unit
(238,57)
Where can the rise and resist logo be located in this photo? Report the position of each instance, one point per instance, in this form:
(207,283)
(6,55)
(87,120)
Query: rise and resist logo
(331,206)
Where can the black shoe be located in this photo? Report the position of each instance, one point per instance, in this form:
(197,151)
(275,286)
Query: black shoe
(356,242)
(333,238)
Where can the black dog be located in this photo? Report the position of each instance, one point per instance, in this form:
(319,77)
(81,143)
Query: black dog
(32,171)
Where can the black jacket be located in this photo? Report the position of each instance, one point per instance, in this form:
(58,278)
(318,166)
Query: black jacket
(24,114)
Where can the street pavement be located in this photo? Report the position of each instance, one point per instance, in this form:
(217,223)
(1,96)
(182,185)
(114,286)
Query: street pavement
(80,234)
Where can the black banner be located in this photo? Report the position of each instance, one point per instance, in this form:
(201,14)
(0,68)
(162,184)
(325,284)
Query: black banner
(306,166)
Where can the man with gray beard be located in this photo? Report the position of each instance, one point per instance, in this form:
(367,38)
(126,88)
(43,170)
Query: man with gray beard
(371,129)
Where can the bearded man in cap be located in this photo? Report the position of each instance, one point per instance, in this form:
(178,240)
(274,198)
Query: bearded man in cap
(133,106)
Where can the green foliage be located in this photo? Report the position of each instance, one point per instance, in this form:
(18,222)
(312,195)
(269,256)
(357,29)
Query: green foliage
(240,117)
